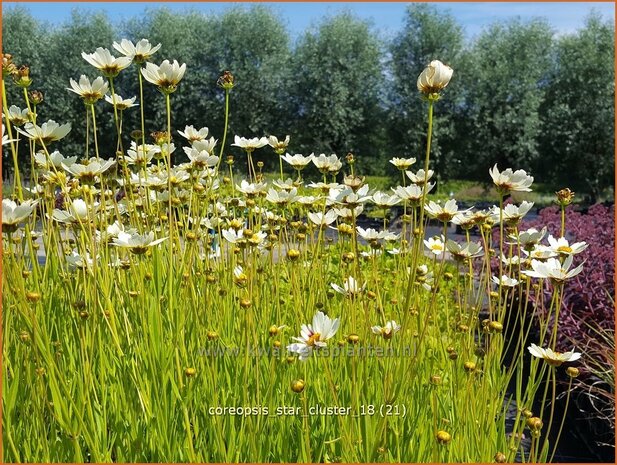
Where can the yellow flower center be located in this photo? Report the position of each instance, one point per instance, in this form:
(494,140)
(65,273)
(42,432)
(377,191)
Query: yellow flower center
(564,249)
(314,338)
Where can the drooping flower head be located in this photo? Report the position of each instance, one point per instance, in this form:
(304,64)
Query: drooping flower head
(434,78)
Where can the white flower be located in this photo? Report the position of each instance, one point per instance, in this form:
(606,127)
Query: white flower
(282,197)
(327,164)
(346,195)
(166,77)
(511,213)
(17,116)
(553,269)
(251,189)
(384,200)
(249,145)
(121,103)
(297,161)
(139,53)
(563,247)
(420,177)
(445,213)
(505,281)
(192,134)
(75,260)
(90,170)
(540,252)
(350,287)
(388,330)
(463,252)
(511,181)
(528,238)
(13,214)
(321,219)
(288,184)
(78,211)
(89,91)
(279,146)
(402,163)
(136,243)
(314,336)
(103,60)
(553,358)
(141,154)
(201,159)
(45,133)
(412,193)
(435,245)
(232,236)
(434,77)
(5,138)
(55,159)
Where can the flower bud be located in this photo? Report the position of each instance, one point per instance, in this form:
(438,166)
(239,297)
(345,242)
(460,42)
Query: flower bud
(469,367)
(500,457)
(36,97)
(297,385)
(226,81)
(443,437)
(573,372)
(434,78)
(353,338)
(190,372)
(564,197)
(212,335)
(534,423)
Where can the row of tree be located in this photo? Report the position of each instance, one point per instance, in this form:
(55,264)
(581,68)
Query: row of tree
(521,96)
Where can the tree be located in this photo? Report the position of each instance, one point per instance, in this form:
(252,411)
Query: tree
(426,36)
(336,90)
(504,90)
(579,113)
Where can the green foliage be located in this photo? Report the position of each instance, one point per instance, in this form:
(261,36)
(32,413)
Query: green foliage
(426,36)
(505,84)
(336,89)
(579,111)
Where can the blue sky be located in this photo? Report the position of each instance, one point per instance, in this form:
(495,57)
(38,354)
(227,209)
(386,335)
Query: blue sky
(387,17)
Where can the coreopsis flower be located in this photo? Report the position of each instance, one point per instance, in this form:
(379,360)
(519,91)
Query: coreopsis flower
(89,171)
(297,161)
(251,189)
(510,181)
(505,281)
(326,164)
(279,146)
(321,219)
(464,252)
(136,243)
(420,177)
(104,61)
(141,154)
(314,336)
(121,103)
(564,197)
(551,357)
(513,260)
(287,185)
(384,200)
(563,247)
(226,81)
(402,163)
(139,52)
(17,116)
(411,193)
(166,77)
(5,138)
(553,269)
(511,214)
(14,214)
(250,145)
(445,213)
(90,92)
(464,219)
(55,159)
(529,238)
(76,260)
(349,197)
(77,212)
(22,77)
(201,158)
(192,134)
(350,288)
(282,197)
(434,78)
(46,133)
(348,213)
(539,252)
(388,330)
(435,245)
